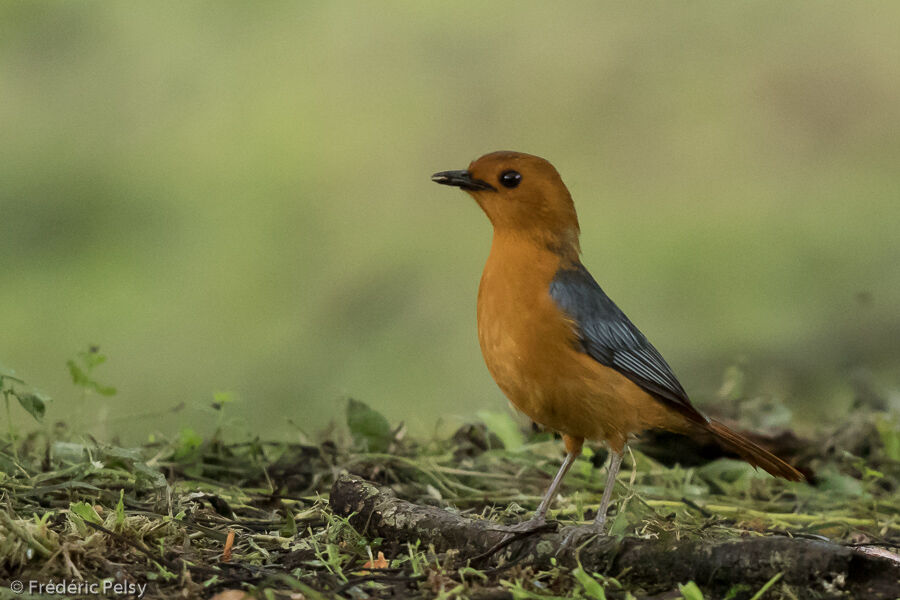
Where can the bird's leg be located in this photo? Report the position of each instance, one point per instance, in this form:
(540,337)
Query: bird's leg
(615,461)
(573,449)
(551,492)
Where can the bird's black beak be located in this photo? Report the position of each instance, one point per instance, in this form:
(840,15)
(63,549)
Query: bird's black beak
(462,179)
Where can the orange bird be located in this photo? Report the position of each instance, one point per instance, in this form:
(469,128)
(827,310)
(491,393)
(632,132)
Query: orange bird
(559,348)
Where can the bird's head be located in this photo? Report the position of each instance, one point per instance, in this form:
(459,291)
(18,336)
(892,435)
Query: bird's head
(521,194)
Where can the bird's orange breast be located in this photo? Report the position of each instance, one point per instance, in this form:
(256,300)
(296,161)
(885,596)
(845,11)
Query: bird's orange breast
(530,348)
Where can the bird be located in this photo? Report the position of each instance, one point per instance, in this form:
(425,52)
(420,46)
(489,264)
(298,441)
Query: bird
(559,348)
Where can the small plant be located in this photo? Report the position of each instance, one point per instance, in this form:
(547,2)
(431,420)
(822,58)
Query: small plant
(82,371)
(34,403)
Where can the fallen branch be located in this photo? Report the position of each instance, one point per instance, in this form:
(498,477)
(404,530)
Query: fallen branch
(828,569)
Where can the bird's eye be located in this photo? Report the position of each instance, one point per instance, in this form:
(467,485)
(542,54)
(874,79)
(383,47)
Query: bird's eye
(510,179)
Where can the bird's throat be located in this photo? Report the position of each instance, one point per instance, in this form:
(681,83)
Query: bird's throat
(564,245)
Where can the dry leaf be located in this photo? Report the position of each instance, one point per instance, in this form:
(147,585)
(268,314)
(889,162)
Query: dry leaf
(379,563)
(229,543)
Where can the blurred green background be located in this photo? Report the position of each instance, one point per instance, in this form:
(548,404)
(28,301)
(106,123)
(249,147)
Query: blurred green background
(236,197)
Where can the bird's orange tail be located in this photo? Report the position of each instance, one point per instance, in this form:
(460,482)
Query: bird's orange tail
(752,453)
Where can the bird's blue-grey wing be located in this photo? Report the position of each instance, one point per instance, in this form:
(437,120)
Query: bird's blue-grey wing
(610,338)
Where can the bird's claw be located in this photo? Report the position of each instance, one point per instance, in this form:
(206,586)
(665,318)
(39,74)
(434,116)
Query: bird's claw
(533,525)
(579,535)
(517,531)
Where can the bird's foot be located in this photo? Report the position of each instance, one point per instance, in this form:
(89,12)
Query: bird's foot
(578,535)
(536,524)
(532,525)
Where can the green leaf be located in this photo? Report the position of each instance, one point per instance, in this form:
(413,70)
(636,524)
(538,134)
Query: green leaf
(188,443)
(738,588)
(289,529)
(619,525)
(591,586)
(504,427)
(33,404)
(104,390)
(79,377)
(223,398)
(690,591)
(85,511)
(120,509)
(370,430)
(463,571)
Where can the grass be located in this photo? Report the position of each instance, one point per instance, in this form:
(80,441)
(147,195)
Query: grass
(197,516)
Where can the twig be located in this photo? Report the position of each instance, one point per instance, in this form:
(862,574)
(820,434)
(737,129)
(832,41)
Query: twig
(828,569)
